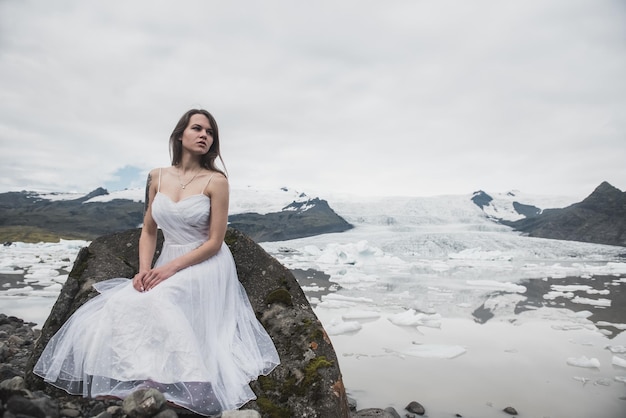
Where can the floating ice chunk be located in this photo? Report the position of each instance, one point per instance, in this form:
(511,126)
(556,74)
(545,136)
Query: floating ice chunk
(571,287)
(584,380)
(312,288)
(554,294)
(495,285)
(354,280)
(616,267)
(44,293)
(598,292)
(616,349)
(407,318)
(595,302)
(583,314)
(61,278)
(567,327)
(334,296)
(358,314)
(620,379)
(19,291)
(336,327)
(618,361)
(314,301)
(11,270)
(590,363)
(311,250)
(411,318)
(503,303)
(360,253)
(335,304)
(442,351)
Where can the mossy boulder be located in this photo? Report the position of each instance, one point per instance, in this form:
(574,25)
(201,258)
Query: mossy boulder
(307,383)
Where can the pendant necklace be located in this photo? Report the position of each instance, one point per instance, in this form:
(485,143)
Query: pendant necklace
(183,185)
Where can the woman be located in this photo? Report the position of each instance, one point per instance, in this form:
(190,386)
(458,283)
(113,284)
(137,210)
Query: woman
(184,326)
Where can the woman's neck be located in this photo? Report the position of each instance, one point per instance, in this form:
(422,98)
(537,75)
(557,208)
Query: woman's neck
(188,164)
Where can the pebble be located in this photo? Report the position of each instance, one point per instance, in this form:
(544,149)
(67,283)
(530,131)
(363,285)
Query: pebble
(415,408)
(71,413)
(510,410)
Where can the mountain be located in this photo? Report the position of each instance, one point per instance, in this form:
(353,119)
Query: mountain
(30,216)
(600,218)
(296,220)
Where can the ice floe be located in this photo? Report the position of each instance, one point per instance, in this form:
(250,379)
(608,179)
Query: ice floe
(412,318)
(618,361)
(583,361)
(436,351)
(338,327)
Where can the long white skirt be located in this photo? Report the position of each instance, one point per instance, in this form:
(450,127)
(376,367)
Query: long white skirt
(194,337)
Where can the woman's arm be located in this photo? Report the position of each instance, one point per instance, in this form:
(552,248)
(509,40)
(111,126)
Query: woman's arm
(218,191)
(148,237)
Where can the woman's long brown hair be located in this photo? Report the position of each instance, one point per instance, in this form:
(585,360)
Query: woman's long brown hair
(176,146)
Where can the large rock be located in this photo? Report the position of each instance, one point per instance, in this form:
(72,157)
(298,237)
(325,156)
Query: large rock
(308,381)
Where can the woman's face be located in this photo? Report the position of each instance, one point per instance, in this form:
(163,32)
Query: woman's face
(198,135)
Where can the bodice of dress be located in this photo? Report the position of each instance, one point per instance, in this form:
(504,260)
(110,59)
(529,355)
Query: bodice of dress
(182,222)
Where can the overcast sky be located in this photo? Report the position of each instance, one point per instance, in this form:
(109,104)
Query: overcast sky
(367,97)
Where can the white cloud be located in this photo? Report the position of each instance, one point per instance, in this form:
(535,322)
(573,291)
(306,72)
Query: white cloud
(397,97)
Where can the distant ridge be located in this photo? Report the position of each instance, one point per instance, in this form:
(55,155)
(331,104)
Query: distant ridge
(26,216)
(296,220)
(30,217)
(600,218)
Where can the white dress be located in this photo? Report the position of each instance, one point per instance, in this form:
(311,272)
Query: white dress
(194,336)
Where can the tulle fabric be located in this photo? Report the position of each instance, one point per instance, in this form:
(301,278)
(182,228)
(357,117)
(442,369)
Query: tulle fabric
(194,337)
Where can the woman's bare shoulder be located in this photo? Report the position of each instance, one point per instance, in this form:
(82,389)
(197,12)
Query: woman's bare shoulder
(217,182)
(218,176)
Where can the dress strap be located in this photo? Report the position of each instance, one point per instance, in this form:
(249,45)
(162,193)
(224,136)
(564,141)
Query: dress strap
(159,186)
(207,183)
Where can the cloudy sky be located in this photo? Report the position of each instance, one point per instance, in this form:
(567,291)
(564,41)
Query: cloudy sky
(394,97)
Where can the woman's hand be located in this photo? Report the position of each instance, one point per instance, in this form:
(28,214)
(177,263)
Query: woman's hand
(147,280)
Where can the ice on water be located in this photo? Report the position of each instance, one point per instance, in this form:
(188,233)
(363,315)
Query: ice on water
(33,275)
(592,363)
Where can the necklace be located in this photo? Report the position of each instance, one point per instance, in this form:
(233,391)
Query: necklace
(183,185)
